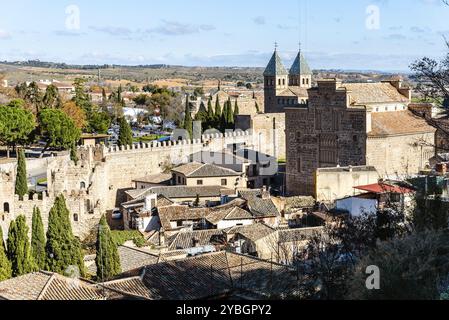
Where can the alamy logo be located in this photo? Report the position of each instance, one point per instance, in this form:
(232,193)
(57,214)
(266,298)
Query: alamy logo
(73,274)
(373,281)
(373,19)
(72,21)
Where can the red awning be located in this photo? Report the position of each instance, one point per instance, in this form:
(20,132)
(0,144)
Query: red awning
(384,188)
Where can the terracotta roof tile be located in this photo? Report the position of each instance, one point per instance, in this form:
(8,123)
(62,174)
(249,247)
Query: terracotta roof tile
(209,275)
(366,93)
(190,239)
(199,170)
(130,259)
(48,286)
(397,123)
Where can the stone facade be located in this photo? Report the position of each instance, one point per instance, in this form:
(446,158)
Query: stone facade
(355,125)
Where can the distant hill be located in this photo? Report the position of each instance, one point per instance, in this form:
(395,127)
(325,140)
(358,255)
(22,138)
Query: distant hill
(34,70)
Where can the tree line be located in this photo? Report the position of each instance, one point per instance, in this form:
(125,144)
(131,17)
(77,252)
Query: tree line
(212,117)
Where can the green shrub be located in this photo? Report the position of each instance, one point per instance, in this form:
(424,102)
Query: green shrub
(120,237)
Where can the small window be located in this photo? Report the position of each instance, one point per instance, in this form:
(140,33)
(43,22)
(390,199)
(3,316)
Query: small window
(179,223)
(224,182)
(199,182)
(75,217)
(83,185)
(283,82)
(6,207)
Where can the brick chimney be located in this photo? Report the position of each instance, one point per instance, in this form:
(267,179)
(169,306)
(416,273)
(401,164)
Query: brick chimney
(265,193)
(397,83)
(162,237)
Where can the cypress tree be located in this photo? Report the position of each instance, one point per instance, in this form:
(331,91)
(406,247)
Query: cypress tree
(202,113)
(5,264)
(188,122)
(230,116)
(125,136)
(223,124)
(19,249)
(73,154)
(217,110)
(107,259)
(21,178)
(63,250)
(236,108)
(197,201)
(210,114)
(38,239)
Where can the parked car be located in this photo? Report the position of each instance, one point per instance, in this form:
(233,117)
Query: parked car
(117,214)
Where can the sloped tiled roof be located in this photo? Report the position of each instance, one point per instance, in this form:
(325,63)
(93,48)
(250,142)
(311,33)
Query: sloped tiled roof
(259,207)
(366,93)
(162,178)
(230,211)
(130,286)
(292,235)
(200,170)
(298,202)
(189,239)
(253,231)
(179,213)
(173,192)
(397,123)
(130,259)
(48,286)
(294,92)
(210,275)
(300,66)
(275,67)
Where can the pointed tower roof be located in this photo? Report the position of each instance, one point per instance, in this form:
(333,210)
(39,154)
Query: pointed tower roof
(275,67)
(300,66)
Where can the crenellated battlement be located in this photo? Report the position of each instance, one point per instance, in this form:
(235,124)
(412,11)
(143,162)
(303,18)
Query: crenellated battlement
(218,138)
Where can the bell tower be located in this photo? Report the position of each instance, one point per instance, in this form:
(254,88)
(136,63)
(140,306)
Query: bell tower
(275,81)
(300,72)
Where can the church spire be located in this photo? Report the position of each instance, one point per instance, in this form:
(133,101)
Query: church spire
(300,65)
(275,67)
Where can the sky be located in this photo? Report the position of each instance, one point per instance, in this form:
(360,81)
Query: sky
(384,35)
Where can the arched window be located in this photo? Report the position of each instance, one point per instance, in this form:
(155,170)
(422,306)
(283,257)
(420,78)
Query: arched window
(83,185)
(6,208)
(279,81)
(283,82)
(75,217)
